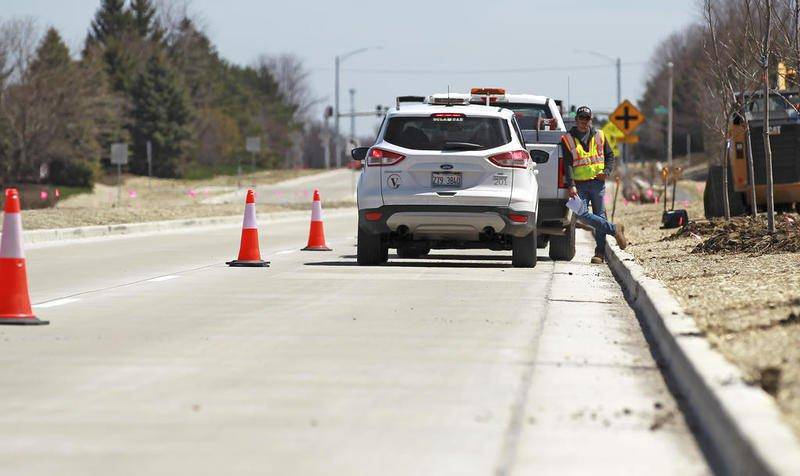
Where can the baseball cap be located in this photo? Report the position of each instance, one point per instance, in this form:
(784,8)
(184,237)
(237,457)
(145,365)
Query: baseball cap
(583,111)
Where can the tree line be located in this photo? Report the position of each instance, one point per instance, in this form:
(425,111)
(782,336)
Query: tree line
(146,73)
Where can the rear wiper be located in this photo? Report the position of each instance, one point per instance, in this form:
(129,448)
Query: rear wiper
(461,146)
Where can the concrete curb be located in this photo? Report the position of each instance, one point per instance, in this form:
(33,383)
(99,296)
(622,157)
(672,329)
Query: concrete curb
(740,426)
(99,231)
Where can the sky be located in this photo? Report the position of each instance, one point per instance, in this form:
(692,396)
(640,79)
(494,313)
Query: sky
(526,46)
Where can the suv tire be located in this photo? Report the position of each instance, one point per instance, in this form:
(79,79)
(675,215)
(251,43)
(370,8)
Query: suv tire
(371,250)
(523,251)
(562,248)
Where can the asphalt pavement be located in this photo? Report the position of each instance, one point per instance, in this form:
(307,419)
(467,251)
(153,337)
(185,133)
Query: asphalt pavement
(159,359)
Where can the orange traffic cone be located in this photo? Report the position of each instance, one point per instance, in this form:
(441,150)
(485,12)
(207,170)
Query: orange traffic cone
(15,304)
(249,254)
(316,234)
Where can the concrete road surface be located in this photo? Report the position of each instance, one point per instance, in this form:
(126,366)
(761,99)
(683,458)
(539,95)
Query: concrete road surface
(334,186)
(161,360)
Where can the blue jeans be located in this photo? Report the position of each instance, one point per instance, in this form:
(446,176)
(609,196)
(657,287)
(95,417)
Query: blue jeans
(593,192)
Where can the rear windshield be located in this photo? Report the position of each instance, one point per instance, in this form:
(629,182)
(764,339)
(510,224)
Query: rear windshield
(528,114)
(435,133)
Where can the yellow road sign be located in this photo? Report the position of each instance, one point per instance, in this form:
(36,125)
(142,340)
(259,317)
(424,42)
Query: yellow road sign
(631,139)
(626,117)
(613,136)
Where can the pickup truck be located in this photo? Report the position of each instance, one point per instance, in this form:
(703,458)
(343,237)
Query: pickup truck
(542,126)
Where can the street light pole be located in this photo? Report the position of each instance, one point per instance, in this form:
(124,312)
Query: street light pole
(336,112)
(619,81)
(669,116)
(352,114)
(336,115)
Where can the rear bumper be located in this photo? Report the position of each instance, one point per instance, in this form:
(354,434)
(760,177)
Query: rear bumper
(435,222)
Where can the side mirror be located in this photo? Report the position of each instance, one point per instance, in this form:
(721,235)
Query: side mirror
(359,153)
(539,156)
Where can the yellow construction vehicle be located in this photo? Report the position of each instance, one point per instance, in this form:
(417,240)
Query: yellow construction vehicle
(784,133)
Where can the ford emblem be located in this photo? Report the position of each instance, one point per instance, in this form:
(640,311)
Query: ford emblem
(446,166)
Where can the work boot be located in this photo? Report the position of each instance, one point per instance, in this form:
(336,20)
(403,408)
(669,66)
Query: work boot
(597,259)
(622,242)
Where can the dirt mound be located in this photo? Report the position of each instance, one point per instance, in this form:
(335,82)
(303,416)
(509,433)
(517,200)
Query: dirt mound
(745,235)
(695,229)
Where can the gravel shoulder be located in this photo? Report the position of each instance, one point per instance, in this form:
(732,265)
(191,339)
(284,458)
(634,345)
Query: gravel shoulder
(746,304)
(163,199)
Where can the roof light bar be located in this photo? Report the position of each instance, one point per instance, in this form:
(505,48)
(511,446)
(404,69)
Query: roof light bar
(411,99)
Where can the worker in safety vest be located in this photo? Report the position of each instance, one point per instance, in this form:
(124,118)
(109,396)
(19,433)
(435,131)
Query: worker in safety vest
(588,159)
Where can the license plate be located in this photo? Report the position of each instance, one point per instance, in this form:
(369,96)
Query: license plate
(446,179)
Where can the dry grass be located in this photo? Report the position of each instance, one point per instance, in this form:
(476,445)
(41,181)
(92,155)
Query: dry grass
(742,288)
(164,199)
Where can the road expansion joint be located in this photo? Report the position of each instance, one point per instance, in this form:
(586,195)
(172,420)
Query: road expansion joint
(511,438)
(584,301)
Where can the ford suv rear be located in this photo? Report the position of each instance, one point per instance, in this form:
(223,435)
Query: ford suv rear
(444,174)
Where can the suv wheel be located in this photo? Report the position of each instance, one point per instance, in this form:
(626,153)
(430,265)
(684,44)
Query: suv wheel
(562,248)
(523,251)
(371,249)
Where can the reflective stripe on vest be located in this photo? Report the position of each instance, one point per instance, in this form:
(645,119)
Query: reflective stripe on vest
(586,165)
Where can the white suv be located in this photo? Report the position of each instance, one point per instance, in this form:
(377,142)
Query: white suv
(446,174)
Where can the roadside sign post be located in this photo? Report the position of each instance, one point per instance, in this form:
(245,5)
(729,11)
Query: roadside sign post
(253,145)
(119,157)
(149,165)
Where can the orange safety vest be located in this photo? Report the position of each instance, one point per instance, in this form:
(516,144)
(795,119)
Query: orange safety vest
(586,165)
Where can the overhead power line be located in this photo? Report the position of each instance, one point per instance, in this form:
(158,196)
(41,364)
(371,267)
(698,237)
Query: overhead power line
(482,71)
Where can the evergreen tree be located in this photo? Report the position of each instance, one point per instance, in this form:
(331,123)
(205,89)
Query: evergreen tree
(161,114)
(143,14)
(52,53)
(110,22)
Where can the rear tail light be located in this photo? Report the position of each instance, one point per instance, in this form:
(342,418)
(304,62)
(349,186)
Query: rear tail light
(373,216)
(518,159)
(561,181)
(381,158)
(518,218)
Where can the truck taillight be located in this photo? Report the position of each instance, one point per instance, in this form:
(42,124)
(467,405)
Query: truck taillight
(518,159)
(561,182)
(381,158)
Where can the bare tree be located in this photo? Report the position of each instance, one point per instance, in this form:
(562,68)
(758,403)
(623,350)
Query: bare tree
(51,107)
(18,37)
(765,54)
(292,77)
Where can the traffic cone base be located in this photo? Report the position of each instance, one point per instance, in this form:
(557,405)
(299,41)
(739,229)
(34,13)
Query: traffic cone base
(248,263)
(316,232)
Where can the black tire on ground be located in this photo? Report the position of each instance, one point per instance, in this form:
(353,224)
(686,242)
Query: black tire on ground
(523,251)
(712,195)
(562,248)
(371,249)
(713,205)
